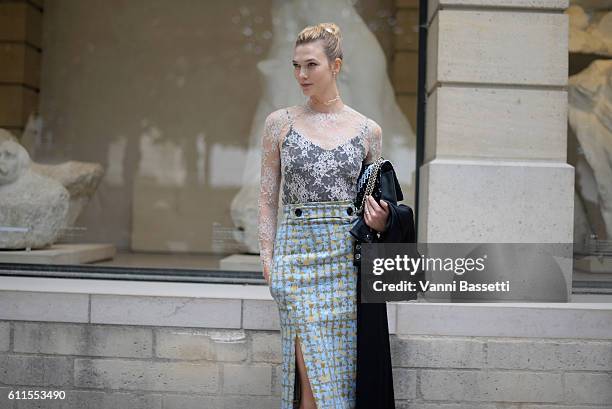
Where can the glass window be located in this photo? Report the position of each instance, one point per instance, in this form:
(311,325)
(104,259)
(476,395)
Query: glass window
(131,135)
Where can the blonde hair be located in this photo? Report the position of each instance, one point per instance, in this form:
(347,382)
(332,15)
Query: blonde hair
(329,33)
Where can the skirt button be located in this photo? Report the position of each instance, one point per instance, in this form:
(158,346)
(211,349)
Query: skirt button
(298,212)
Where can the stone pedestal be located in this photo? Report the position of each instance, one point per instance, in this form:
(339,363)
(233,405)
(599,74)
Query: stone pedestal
(61,254)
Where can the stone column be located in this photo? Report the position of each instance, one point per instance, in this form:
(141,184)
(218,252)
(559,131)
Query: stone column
(495,166)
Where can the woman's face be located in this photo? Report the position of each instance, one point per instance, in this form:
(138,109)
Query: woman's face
(311,68)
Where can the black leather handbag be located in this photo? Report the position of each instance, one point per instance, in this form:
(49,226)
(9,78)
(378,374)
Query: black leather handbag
(379,180)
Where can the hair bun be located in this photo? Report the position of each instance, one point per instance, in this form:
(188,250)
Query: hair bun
(329,32)
(331,28)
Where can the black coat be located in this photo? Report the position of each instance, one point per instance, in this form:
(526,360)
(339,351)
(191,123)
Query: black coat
(374,369)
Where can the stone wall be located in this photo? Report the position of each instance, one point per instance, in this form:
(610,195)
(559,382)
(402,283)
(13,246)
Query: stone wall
(137,351)
(127,366)
(20,61)
(488,372)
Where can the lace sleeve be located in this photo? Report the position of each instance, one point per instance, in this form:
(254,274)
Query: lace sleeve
(374,142)
(269,186)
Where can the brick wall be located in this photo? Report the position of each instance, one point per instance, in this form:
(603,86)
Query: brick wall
(20,61)
(150,356)
(487,372)
(125,366)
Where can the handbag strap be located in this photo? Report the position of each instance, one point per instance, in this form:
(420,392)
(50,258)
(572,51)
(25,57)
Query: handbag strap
(371,181)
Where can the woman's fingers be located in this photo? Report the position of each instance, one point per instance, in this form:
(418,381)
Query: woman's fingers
(266,275)
(375,208)
(370,207)
(371,215)
(384,205)
(378,209)
(368,212)
(373,205)
(375,216)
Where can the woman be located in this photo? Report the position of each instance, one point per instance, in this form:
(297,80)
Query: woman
(316,149)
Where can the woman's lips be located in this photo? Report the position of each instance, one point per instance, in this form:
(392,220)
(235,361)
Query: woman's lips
(305,85)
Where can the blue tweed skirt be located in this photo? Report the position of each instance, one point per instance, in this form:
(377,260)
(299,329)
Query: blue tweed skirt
(314,283)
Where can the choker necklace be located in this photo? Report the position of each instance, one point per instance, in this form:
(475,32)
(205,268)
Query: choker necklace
(324,120)
(309,105)
(328,103)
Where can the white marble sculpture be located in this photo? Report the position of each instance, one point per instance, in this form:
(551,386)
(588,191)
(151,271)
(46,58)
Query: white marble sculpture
(80,178)
(38,202)
(363,84)
(590,118)
(590,31)
(33,208)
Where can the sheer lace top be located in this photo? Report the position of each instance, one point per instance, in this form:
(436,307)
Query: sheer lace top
(310,156)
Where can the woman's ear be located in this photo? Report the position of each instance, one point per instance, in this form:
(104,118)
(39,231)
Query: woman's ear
(338,64)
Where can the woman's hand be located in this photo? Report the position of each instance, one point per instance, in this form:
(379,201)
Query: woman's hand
(376,215)
(266,273)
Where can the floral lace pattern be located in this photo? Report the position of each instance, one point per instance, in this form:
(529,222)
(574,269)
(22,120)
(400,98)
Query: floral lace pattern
(314,174)
(311,156)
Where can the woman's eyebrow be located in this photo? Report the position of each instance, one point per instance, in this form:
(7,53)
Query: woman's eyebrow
(310,59)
